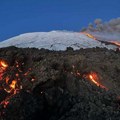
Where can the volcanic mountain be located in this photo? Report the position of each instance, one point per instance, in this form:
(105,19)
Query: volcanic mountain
(54,40)
(42,84)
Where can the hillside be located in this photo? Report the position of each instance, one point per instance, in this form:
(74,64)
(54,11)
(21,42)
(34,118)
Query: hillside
(51,85)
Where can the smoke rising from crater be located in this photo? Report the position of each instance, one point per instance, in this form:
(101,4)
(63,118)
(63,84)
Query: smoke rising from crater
(107,31)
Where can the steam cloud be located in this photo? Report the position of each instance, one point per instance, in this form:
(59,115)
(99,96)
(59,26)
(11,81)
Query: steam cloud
(107,31)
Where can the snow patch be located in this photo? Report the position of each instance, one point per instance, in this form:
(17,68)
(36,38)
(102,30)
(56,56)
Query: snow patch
(54,40)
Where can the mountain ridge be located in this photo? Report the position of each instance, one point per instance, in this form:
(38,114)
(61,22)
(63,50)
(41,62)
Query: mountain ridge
(53,40)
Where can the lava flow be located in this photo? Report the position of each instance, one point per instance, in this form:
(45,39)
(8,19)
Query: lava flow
(116,43)
(89,35)
(11,82)
(3,67)
(92,76)
(95,79)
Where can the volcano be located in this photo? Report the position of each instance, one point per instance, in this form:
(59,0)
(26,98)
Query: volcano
(59,75)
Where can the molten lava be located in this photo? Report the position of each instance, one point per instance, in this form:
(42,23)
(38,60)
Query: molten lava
(3,64)
(92,76)
(12,85)
(116,43)
(12,81)
(89,35)
(95,79)
(3,67)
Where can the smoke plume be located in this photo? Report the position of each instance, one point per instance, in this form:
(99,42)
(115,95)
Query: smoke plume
(107,31)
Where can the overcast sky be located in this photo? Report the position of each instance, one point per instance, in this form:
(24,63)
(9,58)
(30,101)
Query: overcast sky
(21,16)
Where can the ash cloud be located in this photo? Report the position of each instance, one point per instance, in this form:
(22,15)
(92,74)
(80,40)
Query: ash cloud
(107,31)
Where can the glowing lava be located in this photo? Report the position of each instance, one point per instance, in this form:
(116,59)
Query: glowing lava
(89,35)
(3,64)
(115,43)
(95,79)
(3,67)
(93,37)
(12,83)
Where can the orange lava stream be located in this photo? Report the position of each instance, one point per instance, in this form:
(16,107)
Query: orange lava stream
(3,67)
(116,43)
(93,37)
(95,79)
(92,76)
(89,35)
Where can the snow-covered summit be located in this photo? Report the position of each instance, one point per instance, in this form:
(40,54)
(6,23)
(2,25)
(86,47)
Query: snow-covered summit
(54,40)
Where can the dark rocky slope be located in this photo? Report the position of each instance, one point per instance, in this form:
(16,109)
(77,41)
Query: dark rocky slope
(55,86)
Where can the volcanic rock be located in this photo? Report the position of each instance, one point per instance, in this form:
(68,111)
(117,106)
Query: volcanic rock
(54,85)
